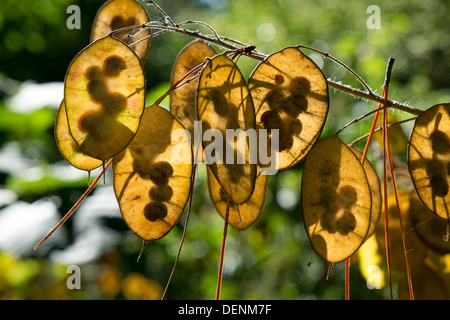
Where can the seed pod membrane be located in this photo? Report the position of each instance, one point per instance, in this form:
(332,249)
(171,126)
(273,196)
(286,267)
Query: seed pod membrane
(375,189)
(247,213)
(429,159)
(67,145)
(104,94)
(117,14)
(152,176)
(226,110)
(336,200)
(183,101)
(290,94)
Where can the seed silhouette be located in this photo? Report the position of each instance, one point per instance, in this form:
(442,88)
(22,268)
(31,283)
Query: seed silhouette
(291,95)
(336,200)
(67,145)
(183,100)
(429,158)
(117,14)
(103,110)
(152,189)
(223,102)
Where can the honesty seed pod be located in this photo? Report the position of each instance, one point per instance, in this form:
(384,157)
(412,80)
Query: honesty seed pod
(117,14)
(225,108)
(429,159)
(290,94)
(336,200)
(152,176)
(104,94)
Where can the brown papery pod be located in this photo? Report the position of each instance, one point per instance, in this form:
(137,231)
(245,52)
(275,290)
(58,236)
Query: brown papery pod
(243,216)
(183,101)
(152,176)
(225,108)
(67,145)
(429,159)
(290,94)
(375,189)
(336,200)
(117,14)
(104,95)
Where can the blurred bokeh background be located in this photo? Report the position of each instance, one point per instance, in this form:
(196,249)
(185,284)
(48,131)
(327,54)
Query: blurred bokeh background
(273,258)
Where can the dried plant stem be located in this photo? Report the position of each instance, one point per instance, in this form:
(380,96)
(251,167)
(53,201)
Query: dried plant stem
(222,253)
(75,206)
(230,44)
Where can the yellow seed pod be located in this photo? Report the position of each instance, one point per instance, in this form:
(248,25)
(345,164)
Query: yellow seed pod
(104,94)
(429,159)
(183,101)
(116,14)
(336,200)
(290,94)
(152,176)
(68,147)
(225,108)
(375,189)
(243,216)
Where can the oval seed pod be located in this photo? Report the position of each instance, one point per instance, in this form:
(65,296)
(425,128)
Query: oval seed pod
(226,110)
(336,200)
(152,176)
(67,145)
(104,93)
(290,94)
(247,213)
(183,101)
(116,14)
(375,189)
(429,159)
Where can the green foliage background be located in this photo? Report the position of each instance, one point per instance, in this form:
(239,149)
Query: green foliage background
(273,258)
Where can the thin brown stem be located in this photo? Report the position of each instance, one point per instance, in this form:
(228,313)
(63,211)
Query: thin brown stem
(75,206)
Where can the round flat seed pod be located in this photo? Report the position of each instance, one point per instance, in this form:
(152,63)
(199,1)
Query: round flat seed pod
(375,189)
(225,108)
(104,93)
(336,200)
(248,212)
(152,176)
(431,229)
(429,159)
(67,145)
(183,101)
(290,94)
(117,14)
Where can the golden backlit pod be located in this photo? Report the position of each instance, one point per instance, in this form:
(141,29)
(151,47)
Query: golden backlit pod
(68,147)
(429,159)
(183,101)
(248,212)
(290,94)
(336,200)
(225,108)
(152,176)
(104,93)
(375,189)
(431,229)
(116,14)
